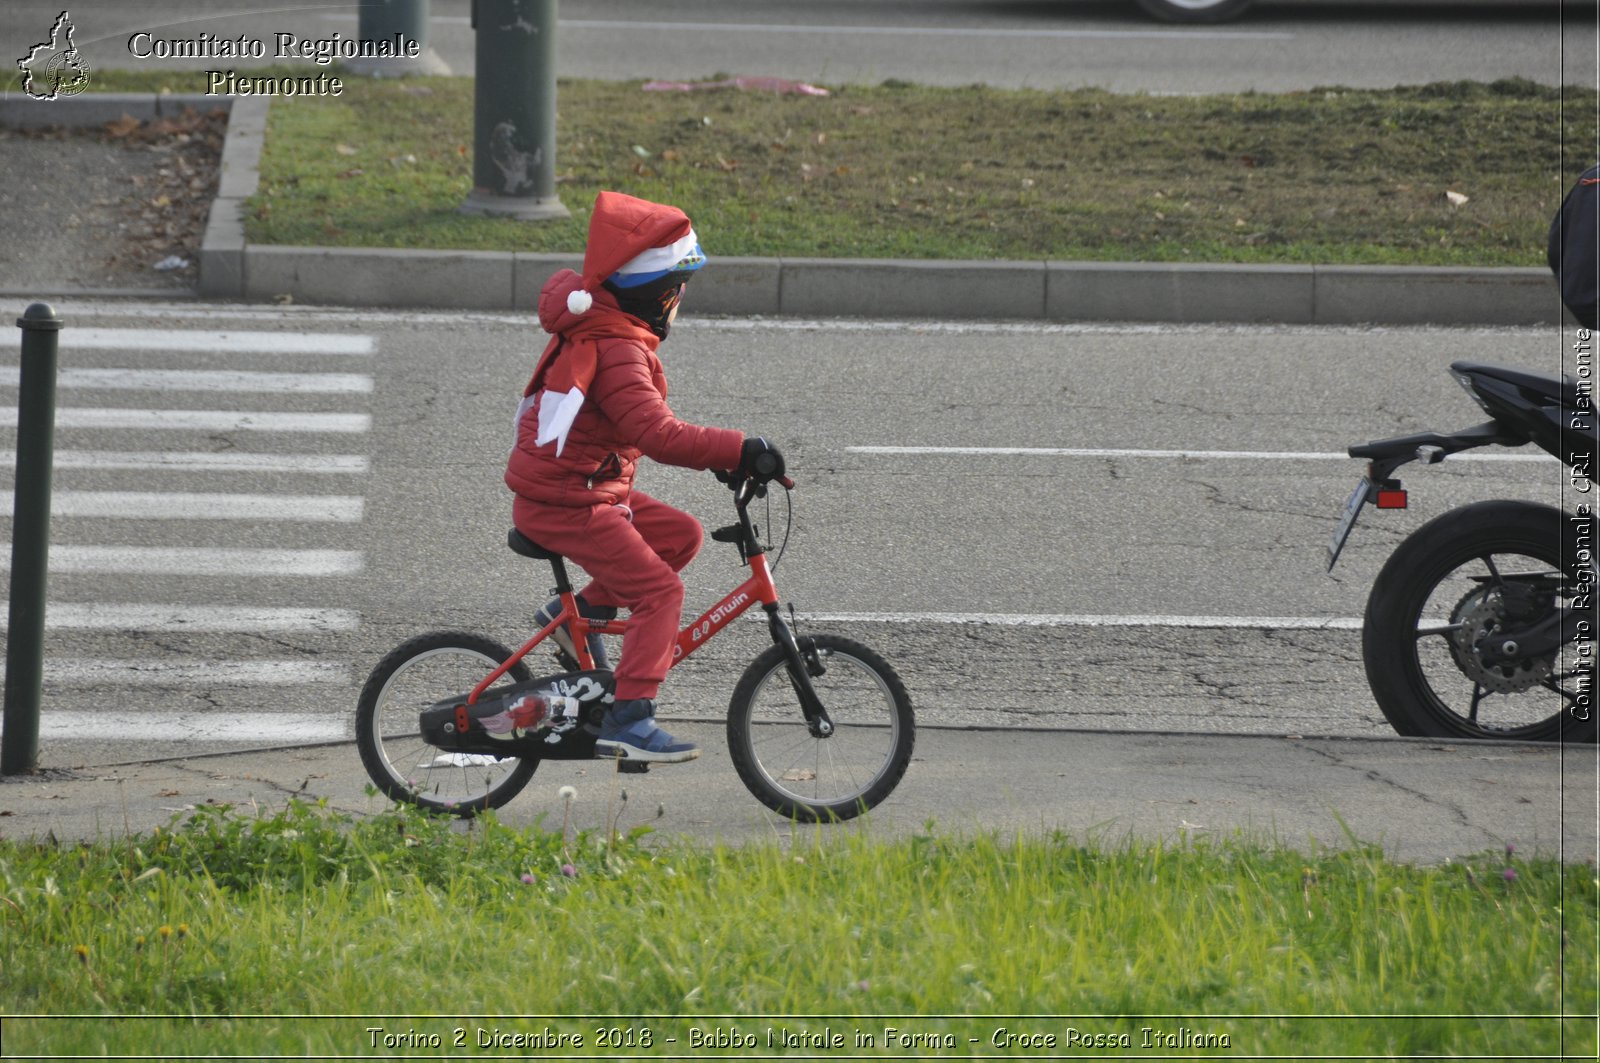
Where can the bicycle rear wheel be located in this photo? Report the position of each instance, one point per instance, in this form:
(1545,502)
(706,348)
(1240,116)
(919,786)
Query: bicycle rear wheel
(413,676)
(811,778)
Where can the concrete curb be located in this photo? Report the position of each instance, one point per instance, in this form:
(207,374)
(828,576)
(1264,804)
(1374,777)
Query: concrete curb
(231,268)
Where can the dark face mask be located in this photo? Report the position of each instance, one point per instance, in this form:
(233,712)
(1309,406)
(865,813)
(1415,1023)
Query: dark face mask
(652,303)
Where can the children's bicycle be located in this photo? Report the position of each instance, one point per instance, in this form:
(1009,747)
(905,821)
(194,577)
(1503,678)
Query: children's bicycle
(819,726)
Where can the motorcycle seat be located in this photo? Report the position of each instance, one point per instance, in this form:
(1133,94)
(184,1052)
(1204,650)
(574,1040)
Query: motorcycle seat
(1560,389)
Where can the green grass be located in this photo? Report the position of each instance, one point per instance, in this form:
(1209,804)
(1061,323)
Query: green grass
(296,931)
(1328,176)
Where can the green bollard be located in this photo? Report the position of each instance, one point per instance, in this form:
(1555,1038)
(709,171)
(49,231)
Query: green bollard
(30,539)
(514,110)
(397,23)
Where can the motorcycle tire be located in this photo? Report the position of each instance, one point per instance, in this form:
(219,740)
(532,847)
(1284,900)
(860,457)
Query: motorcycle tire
(1420,670)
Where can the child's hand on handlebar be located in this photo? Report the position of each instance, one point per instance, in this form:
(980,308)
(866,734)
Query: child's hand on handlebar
(760,460)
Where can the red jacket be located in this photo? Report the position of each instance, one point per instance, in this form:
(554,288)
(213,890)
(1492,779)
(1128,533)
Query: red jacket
(624,412)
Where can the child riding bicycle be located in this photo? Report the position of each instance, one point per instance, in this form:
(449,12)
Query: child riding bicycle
(596,402)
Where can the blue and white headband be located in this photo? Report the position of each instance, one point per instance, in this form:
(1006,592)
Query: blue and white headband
(679,256)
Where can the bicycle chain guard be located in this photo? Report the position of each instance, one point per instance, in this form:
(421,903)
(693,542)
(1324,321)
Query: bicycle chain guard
(553,718)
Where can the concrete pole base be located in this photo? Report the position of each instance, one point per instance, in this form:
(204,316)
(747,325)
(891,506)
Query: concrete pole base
(527,208)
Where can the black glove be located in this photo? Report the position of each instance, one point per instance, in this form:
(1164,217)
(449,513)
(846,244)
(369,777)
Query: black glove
(759,460)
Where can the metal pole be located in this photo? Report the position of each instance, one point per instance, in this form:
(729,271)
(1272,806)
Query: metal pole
(514,110)
(30,538)
(396,24)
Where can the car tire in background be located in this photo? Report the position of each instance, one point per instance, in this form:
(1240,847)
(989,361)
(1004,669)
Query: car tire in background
(1195,10)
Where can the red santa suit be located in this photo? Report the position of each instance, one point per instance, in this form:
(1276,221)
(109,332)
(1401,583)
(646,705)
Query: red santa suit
(596,402)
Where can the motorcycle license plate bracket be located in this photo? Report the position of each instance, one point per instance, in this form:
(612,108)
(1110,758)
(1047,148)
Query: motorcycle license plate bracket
(1386,494)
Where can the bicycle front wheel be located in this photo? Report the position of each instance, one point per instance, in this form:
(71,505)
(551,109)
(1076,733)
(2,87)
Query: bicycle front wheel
(416,674)
(809,777)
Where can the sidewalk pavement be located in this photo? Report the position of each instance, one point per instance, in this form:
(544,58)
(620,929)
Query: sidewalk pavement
(1422,801)
(232,269)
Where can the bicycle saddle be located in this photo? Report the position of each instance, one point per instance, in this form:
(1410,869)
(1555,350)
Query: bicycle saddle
(521,544)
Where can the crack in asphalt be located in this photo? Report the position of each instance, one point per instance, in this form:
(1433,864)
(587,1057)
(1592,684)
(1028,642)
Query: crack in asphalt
(1455,810)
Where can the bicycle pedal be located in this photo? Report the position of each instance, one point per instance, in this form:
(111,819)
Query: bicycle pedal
(633,767)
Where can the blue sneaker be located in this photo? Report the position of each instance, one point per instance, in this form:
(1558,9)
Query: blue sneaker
(563,638)
(628,731)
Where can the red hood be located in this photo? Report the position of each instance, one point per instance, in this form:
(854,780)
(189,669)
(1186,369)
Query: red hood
(623,227)
(554,317)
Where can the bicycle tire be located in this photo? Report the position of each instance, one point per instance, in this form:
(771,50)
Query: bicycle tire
(414,675)
(813,779)
(1440,573)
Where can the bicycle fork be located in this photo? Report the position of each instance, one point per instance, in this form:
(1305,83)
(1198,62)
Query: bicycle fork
(801,667)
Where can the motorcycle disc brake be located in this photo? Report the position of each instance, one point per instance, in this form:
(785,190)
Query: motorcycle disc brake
(1481,613)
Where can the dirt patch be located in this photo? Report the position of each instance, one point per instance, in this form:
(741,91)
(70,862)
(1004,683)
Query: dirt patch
(119,206)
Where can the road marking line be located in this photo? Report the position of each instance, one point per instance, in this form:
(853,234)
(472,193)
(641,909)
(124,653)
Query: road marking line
(200,461)
(288,728)
(965,32)
(216,341)
(200,420)
(90,616)
(1222,455)
(196,561)
(202,380)
(142,672)
(300,314)
(180,505)
(1266,623)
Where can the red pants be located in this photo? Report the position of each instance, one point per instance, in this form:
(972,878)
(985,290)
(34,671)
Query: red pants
(633,565)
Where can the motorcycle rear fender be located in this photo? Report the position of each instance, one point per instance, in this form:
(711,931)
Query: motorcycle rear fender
(1387,455)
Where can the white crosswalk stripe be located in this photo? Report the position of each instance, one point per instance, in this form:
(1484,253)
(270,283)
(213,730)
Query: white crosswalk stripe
(201,461)
(287,728)
(250,382)
(220,340)
(109,616)
(189,505)
(92,671)
(200,420)
(202,380)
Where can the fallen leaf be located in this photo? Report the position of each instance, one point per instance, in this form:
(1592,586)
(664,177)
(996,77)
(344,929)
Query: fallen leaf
(670,155)
(344,149)
(1456,198)
(121,127)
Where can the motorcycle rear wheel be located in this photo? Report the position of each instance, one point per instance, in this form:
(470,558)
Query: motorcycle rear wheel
(1442,590)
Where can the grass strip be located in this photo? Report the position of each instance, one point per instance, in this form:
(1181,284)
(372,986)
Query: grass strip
(407,925)
(1330,176)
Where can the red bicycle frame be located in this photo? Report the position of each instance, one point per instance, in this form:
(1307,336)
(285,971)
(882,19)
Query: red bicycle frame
(759,588)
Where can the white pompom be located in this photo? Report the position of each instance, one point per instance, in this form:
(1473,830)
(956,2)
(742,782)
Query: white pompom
(579,301)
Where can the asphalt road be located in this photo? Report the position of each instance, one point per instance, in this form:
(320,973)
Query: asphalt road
(232,553)
(1281,45)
